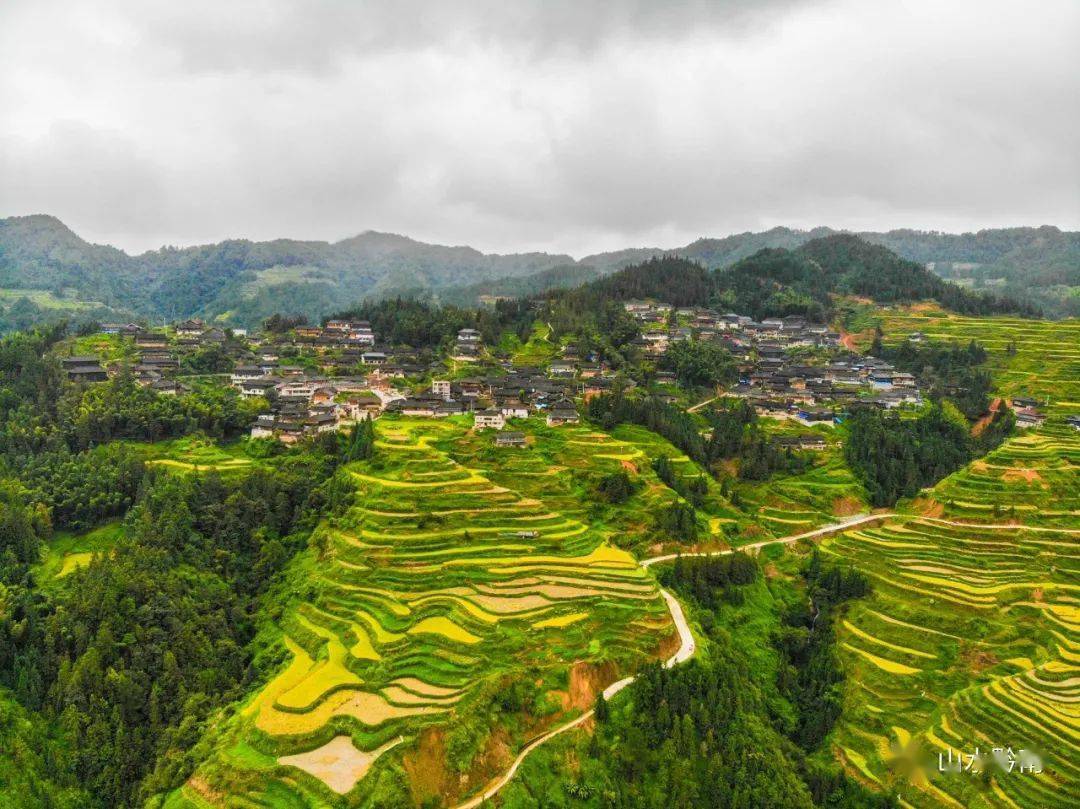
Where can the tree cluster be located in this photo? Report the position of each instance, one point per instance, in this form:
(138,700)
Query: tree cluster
(895,457)
(810,675)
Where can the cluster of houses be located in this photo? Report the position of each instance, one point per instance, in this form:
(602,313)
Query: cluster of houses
(356,376)
(302,408)
(301,405)
(1028,414)
(85,368)
(789,367)
(663,324)
(467,346)
(779,387)
(495,399)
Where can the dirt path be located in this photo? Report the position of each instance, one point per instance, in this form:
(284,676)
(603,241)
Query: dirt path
(700,405)
(844,525)
(686,650)
(980,425)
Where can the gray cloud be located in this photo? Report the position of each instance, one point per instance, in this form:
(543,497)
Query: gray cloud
(321,34)
(568,126)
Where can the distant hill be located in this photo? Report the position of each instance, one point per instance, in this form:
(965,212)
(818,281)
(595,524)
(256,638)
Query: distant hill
(239,280)
(46,270)
(776,281)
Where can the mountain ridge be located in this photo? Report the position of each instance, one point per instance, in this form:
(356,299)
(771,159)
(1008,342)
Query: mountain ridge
(240,281)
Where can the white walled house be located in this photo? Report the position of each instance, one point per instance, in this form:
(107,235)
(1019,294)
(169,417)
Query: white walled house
(489,419)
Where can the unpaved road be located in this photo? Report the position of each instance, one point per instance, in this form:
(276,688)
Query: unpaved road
(687,646)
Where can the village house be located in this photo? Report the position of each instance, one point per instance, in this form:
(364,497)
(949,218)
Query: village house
(488,419)
(85,368)
(441,388)
(513,409)
(252,388)
(466,336)
(190,328)
(562,412)
(128,329)
(510,438)
(562,369)
(167,387)
(244,373)
(809,441)
(1029,417)
(151,340)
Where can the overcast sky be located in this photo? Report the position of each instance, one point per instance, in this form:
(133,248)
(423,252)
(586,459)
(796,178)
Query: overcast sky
(568,125)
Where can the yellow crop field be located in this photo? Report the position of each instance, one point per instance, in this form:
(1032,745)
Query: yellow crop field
(436,588)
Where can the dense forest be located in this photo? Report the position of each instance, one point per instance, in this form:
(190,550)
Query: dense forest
(896,457)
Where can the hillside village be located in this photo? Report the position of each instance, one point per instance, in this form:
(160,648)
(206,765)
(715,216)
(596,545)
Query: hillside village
(315,379)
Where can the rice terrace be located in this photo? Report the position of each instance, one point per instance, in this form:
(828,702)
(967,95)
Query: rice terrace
(452,572)
(436,590)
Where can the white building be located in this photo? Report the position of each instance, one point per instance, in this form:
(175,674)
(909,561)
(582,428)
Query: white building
(488,419)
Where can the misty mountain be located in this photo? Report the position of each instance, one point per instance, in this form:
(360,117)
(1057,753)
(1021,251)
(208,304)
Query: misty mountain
(48,271)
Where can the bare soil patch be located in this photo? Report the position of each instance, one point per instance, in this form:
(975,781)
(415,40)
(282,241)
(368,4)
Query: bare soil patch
(925,507)
(1027,475)
(204,790)
(586,681)
(979,426)
(846,506)
(976,659)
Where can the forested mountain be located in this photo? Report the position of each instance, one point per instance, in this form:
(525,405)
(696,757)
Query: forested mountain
(47,271)
(777,282)
(242,280)
(1039,264)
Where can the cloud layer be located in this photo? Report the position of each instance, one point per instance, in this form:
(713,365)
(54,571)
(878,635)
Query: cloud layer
(567,126)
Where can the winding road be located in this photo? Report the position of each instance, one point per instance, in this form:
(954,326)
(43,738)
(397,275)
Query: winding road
(687,646)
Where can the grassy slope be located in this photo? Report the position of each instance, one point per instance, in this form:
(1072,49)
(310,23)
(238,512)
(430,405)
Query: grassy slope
(66,551)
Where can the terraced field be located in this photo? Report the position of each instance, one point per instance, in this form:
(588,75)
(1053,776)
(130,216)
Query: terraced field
(561,463)
(199,454)
(66,551)
(971,637)
(435,593)
(789,504)
(1031,479)
(1044,360)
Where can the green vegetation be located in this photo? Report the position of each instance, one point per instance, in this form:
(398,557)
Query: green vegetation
(384,616)
(779,282)
(1029,358)
(444,605)
(66,551)
(895,457)
(48,271)
(968,639)
(715,731)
